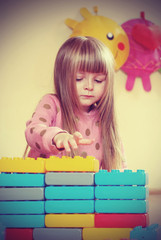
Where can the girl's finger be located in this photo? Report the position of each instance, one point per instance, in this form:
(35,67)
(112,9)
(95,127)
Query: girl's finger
(66,146)
(77,136)
(59,144)
(73,143)
(85,141)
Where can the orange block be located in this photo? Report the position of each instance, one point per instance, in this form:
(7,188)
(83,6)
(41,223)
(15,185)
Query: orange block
(69,220)
(27,165)
(76,164)
(106,233)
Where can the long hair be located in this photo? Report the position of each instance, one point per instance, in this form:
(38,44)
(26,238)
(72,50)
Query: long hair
(89,55)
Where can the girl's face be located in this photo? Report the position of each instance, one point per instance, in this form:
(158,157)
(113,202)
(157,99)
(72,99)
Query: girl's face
(90,88)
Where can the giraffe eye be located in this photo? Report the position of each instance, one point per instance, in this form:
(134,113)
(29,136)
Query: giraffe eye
(110,36)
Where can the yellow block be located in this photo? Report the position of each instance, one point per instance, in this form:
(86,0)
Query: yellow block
(106,233)
(76,164)
(27,165)
(69,220)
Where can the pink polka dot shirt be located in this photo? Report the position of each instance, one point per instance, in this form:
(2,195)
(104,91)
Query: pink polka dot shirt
(46,122)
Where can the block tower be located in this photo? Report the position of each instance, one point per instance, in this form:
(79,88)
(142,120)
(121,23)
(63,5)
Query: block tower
(70,198)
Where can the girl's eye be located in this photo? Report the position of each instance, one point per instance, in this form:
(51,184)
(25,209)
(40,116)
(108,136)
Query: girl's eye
(98,81)
(78,79)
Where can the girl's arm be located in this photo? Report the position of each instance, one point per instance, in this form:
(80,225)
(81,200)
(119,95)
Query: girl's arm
(43,131)
(41,128)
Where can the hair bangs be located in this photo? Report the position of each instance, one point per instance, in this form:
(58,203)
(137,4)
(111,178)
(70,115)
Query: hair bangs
(91,59)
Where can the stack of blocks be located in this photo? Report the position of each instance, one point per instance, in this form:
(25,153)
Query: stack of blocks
(70,198)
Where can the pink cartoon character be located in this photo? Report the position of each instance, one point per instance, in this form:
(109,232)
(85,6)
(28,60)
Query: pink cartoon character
(145,51)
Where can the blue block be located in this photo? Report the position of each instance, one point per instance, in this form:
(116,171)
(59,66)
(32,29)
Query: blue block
(121,206)
(121,192)
(22,180)
(69,192)
(23,221)
(127,177)
(152,232)
(22,207)
(14,193)
(69,206)
(67,178)
(57,234)
(2,232)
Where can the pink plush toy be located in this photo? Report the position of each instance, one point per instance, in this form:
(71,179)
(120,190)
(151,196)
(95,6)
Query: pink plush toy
(145,51)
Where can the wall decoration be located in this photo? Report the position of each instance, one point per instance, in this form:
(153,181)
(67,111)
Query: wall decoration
(104,29)
(145,51)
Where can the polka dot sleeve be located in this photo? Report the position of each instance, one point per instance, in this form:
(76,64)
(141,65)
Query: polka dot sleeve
(44,125)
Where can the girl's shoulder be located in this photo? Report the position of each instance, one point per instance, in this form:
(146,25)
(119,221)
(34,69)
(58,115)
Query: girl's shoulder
(51,98)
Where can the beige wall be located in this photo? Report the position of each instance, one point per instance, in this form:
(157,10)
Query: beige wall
(30,37)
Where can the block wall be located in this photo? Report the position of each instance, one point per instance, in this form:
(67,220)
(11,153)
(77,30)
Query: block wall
(70,198)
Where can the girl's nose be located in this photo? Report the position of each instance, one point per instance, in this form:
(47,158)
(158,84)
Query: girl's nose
(89,84)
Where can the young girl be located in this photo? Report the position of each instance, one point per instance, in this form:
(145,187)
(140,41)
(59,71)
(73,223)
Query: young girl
(79,119)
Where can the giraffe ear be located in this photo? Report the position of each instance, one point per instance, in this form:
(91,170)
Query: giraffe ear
(71,23)
(85,13)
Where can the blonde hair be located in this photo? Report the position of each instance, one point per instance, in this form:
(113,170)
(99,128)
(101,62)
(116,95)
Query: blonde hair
(90,55)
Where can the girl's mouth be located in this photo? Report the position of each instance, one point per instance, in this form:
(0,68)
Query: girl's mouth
(86,96)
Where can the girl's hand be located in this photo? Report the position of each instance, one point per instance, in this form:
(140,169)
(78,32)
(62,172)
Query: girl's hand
(68,141)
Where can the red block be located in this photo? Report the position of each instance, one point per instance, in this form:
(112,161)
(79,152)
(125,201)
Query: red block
(19,234)
(122,220)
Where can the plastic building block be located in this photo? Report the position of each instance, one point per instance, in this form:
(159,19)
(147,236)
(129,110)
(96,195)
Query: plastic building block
(121,206)
(19,234)
(69,220)
(68,164)
(21,207)
(127,177)
(69,192)
(29,165)
(106,233)
(153,232)
(23,221)
(57,234)
(124,238)
(56,178)
(121,192)
(21,194)
(22,180)
(121,220)
(2,232)
(69,206)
